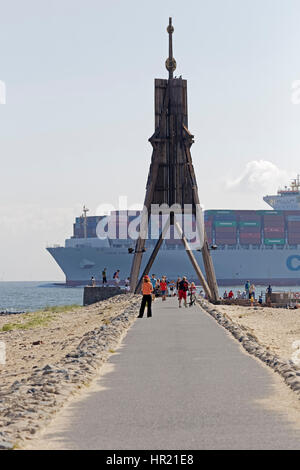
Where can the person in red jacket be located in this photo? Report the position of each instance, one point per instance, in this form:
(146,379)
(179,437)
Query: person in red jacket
(163,287)
(147,297)
(231,295)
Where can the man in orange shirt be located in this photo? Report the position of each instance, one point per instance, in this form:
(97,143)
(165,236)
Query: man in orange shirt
(147,297)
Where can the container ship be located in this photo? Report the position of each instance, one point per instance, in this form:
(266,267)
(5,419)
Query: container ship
(262,246)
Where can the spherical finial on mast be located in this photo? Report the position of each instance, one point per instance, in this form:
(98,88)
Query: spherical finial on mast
(170,62)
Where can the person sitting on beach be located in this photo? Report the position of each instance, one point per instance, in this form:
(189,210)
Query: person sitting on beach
(225,295)
(230,295)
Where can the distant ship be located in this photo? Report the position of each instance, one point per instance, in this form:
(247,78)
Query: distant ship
(262,246)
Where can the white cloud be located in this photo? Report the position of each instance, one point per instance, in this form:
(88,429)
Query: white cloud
(260,176)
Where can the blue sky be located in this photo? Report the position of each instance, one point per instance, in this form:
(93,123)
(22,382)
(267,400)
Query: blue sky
(79,109)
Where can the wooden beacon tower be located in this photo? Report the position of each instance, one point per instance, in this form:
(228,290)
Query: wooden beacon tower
(171,179)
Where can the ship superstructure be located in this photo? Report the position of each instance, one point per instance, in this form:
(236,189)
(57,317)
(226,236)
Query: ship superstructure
(287,198)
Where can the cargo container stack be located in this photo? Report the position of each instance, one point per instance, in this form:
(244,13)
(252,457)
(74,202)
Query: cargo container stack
(274,227)
(249,228)
(208,222)
(225,228)
(293,227)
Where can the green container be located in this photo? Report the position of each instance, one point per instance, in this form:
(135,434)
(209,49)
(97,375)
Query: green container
(225,223)
(274,241)
(224,212)
(250,224)
(270,212)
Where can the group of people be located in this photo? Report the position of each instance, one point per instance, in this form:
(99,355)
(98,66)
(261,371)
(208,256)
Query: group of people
(153,288)
(116,279)
(248,293)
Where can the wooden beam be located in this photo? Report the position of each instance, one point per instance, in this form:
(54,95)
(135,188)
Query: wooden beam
(208,264)
(193,261)
(152,179)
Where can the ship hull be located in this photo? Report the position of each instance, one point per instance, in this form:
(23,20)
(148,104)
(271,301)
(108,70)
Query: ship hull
(277,266)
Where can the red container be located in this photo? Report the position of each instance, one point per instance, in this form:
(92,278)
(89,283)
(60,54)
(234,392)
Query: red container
(250,218)
(274,230)
(249,229)
(228,235)
(250,235)
(225,229)
(275,223)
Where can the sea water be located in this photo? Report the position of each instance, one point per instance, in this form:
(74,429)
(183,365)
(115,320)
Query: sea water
(31,296)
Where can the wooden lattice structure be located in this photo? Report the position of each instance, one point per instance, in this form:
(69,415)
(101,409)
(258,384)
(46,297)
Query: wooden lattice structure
(171,178)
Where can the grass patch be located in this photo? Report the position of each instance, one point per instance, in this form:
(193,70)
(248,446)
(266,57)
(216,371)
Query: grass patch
(60,308)
(38,319)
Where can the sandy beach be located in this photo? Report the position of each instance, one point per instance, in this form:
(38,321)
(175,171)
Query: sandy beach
(275,328)
(48,336)
(50,355)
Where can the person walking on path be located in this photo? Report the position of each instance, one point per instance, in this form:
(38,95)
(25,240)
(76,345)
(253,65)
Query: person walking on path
(177,284)
(104,278)
(193,290)
(163,288)
(147,297)
(157,288)
(172,288)
(153,282)
(182,293)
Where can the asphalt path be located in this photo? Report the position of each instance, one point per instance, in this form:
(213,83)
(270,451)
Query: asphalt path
(179,381)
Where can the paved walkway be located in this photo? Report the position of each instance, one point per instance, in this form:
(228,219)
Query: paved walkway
(179,382)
